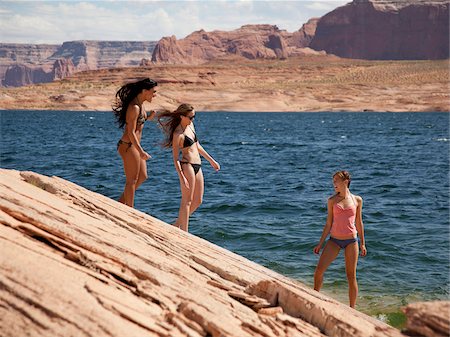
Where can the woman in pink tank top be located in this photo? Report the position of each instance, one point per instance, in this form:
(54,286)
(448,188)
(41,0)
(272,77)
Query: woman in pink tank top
(344,224)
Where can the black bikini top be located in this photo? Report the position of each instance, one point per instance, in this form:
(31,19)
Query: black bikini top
(188,140)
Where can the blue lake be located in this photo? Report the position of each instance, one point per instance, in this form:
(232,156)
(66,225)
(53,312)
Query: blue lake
(268,203)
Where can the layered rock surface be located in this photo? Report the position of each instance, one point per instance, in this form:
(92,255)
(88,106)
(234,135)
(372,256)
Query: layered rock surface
(386,30)
(104,54)
(12,54)
(76,263)
(430,319)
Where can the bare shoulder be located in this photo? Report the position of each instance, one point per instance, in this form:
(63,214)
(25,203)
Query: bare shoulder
(177,135)
(333,199)
(359,199)
(133,109)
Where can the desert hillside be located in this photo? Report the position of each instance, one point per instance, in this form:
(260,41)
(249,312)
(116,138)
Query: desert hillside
(303,83)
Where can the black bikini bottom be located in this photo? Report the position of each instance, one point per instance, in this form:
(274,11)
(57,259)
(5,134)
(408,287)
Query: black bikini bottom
(196,167)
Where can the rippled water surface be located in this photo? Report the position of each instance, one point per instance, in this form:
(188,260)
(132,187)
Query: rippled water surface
(268,203)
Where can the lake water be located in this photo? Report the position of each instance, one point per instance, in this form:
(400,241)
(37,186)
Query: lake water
(268,203)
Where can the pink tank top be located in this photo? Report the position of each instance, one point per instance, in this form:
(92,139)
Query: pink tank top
(344,220)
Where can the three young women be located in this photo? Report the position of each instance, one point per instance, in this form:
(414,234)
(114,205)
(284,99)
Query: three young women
(344,220)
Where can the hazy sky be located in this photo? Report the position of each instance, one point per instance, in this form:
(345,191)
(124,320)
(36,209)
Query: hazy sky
(59,21)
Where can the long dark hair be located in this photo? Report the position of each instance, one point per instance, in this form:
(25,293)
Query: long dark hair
(169,121)
(126,94)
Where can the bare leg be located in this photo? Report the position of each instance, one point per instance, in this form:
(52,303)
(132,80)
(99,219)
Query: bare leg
(351,260)
(187,196)
(198,192)
(329,253)
(131,167)
(143,176)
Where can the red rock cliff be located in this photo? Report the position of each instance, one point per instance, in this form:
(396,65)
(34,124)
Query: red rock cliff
(249,41)
(386,30)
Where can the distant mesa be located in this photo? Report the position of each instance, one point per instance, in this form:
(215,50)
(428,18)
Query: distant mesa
(362,29)
(22,64)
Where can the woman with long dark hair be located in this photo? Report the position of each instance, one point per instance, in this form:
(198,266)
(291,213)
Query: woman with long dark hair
(181,137)
(131,116)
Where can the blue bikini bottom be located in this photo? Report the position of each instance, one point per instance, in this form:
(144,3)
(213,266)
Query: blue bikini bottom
(344,243)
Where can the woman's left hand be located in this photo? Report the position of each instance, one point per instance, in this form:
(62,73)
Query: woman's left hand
(363,250)
(215,165)
(151,115)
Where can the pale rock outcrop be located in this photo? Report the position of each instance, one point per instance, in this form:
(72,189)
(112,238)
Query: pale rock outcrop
(430,319)
(76,263)
(386,30)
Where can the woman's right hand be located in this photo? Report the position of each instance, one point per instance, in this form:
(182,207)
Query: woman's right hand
(144,155)
(184,181)
(317,249)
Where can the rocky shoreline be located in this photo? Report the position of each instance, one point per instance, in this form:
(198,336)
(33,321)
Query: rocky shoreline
(77,263)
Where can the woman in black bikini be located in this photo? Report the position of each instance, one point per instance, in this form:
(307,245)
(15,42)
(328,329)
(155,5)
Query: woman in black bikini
(180,136)
(131,116)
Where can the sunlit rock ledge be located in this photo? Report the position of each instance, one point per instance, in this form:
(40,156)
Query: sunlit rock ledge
(76,263)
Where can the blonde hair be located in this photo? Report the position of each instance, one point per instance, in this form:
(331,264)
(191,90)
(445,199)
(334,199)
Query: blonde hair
(344,175)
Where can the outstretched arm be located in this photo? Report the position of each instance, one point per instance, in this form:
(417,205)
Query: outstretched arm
(206,155)
(360,226)
(326,228)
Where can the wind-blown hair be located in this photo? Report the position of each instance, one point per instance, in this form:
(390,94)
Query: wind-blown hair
(344,175)
(169,120)
(128,93)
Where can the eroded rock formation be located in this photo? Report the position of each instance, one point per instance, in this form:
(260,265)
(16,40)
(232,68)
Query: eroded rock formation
(62,68)
(386,30)
(249,41)
(76,263)
(302,38)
